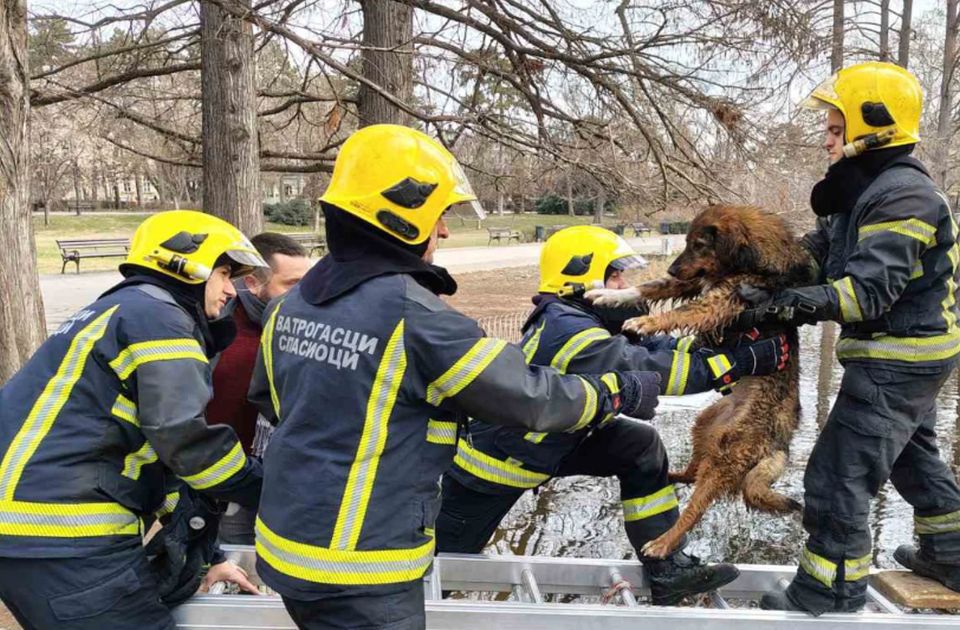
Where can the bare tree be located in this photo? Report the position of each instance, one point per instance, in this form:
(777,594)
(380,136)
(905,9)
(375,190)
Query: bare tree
(231,151)
(21,310)
(836,40)
(944,116)
(387,61)
(884,30)
(906,19)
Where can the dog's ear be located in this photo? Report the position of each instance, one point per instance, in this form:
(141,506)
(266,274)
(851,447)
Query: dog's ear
(710,233)
(746,258)
(734,247)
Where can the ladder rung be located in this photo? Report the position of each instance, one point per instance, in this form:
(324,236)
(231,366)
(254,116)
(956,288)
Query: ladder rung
(531,586)
(885,604)
(626,595)
(718,601)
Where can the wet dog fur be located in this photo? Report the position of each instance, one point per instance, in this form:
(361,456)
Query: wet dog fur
(740,443)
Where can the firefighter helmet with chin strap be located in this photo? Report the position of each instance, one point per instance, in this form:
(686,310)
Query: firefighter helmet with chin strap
(580,255)
(881,105)
(399,180)
(187,245)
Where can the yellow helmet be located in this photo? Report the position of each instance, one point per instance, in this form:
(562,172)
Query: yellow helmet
(880,102)
(186,244)
(581,255)
(399,180)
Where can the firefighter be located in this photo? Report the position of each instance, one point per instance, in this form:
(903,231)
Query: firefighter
(369,373)
(886,247)
(496,465)
(99,419)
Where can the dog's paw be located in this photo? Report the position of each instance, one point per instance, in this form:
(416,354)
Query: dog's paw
(613,297)
(680,477)
(646,325)
(794,505)
(657,548)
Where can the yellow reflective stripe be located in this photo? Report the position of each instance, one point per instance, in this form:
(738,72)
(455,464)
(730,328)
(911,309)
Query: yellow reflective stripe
(137,354)
(857,568)
(950,300)
(917,269)
(535,437)
(440,432)
(719,365)
(589,411)
(465,370)
(914,228)
(818,567)
(266,343)
(124,409)
(49,404)
(612,382)
(66,520)
(684,343)
(575,345)
(169,504)
(134,462)
(910,349)
(337,566)
(225,467)
(373,439)
(943,523)
(849,306)
(661,501)
(679,372)
(481,465)
(533,343)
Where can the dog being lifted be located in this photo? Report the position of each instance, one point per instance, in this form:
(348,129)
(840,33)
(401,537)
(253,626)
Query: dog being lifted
(740,442)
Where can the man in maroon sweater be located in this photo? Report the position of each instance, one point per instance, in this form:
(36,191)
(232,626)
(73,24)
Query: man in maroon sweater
(231,377)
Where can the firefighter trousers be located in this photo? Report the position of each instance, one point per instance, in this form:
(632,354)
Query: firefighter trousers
(400,610)
(882,426)
(629,450)
(115,590)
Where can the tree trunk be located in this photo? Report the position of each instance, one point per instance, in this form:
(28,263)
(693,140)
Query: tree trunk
(884,30)
(903,58)
(231,151)
(387,61)
(76,188)
(96,188)
(944,126)
(116,193)
(598,204)
(22,328)
(570,208)
(836,44)
(46,212)
(137,178)
(500,202)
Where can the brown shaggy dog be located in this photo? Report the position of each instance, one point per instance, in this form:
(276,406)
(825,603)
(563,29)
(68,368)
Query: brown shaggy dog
(740,442)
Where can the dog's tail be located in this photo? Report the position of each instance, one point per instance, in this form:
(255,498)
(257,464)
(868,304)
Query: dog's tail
(756,486)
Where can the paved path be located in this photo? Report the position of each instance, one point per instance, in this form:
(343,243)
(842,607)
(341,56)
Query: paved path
(64,294)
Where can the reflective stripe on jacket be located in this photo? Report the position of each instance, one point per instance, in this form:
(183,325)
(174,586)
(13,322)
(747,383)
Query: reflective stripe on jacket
(97,419)
(368,389)
(571,339)
(890,271)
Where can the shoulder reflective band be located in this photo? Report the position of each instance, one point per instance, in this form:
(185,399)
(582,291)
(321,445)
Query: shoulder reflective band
(169,504)
(49,404)
(679,372)
(533,343)
(661,501)
(336,566)
(66,520)
(941,524)
(914,228)
(465,370)
(818,567)
(225,467)
(137,354)
(849,306)
(266,344)
(373,439)
(440,432)
(575,345)
(124,409)
(910,349)
(490,469)
(134,462)
(857,568)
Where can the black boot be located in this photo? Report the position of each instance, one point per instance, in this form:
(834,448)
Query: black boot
(911,557)
(680,574)
(779,600)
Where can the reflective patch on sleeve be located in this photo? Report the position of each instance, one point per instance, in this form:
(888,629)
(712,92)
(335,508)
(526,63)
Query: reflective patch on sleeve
(465,370)
(914,228)
(134,462)
(124,409)
(659,502)
(850,309)
(137,354)
(227,466)
(944,523)
(575,345)
(440,432)
(679,372)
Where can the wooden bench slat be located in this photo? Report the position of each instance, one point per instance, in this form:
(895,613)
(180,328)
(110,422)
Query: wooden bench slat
(73,250)
(910,590)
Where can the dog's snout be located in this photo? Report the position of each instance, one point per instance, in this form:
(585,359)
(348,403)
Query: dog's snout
(674,269)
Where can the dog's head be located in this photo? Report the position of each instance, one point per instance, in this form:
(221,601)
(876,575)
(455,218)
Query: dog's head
(728,240)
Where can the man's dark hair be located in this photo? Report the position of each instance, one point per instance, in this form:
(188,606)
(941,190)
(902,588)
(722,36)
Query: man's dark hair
(270,243)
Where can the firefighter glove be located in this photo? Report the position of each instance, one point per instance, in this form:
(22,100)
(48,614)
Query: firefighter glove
(751,356)
(639,394)
(789,307)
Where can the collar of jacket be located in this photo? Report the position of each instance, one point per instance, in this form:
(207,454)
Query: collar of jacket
(360,252)
(848,178)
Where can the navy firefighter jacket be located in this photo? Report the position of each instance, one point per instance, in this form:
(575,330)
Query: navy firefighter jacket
(97,420)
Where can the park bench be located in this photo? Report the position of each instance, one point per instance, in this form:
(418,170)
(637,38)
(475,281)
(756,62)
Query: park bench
(311,242)
(72,250)
(640,229)
(498,234)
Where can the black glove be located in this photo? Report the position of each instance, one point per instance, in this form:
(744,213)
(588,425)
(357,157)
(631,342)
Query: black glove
(751,356)
(186,543)
(787,308)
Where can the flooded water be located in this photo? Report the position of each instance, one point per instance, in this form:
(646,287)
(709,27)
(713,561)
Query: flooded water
(581,516)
